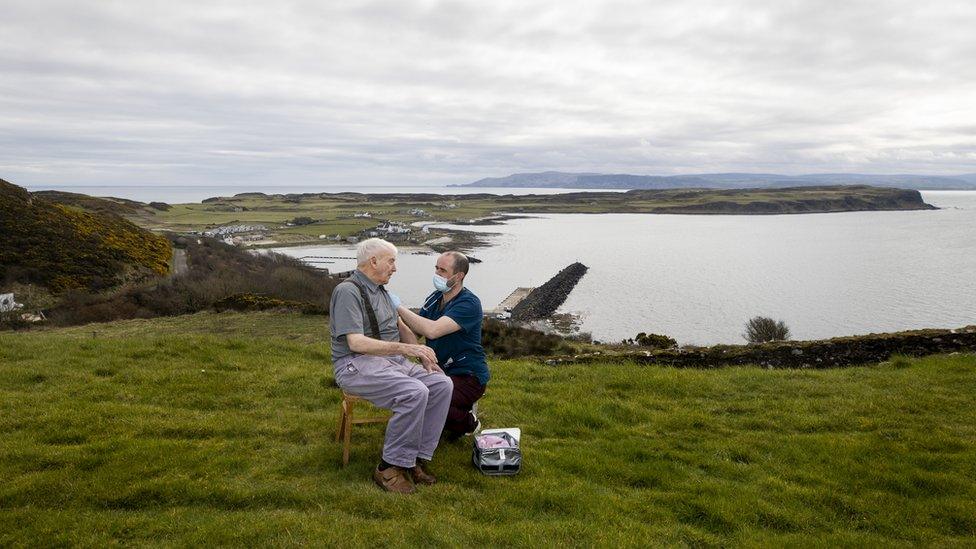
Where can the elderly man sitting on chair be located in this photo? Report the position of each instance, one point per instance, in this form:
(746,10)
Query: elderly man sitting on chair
(369,349)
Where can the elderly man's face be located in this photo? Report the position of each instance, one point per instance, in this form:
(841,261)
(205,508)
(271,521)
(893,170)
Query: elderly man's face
(384,265)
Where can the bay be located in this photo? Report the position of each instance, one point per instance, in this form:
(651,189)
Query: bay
(698,278)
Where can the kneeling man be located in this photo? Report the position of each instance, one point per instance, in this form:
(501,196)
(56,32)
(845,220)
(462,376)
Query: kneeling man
(451,321)
(369,349)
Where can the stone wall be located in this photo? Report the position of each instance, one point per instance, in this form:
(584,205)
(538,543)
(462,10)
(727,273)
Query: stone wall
(827,353)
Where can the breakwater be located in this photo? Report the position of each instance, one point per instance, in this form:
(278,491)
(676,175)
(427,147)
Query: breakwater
(543,301)
(827,353)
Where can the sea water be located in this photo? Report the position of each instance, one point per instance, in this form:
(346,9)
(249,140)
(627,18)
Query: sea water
(699,278)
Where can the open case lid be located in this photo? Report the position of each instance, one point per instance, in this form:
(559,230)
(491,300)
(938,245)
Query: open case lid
(513,432)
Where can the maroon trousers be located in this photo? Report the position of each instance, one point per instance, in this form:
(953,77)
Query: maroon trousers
(467,391)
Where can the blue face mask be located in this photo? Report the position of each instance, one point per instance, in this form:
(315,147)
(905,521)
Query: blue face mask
(440,284)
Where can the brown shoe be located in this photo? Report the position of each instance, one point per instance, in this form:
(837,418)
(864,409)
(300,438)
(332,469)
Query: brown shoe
(420,476)
(394,479)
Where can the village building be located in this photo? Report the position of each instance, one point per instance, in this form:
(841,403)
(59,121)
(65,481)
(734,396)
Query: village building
(241,239)
(392,228)
(229,230)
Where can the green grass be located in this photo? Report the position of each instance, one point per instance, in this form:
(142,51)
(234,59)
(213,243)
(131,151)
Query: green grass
(218,429)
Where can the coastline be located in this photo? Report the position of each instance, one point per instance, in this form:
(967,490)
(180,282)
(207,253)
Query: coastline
(260,220)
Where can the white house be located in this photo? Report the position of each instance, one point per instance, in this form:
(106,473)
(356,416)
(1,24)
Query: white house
(228,230)
(392,228)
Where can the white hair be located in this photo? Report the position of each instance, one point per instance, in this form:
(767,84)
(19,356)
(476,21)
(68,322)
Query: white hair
(371,247)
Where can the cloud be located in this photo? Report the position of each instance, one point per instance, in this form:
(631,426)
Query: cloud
(427,92)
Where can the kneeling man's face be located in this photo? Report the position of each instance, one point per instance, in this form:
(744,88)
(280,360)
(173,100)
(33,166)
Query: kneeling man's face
(385,266)
(445,268)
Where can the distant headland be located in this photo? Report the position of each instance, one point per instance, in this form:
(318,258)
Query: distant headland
(567,180)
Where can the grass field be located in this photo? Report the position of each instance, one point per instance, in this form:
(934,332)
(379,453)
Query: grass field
(218,429)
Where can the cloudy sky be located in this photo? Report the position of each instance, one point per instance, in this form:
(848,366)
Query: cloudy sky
(425,92)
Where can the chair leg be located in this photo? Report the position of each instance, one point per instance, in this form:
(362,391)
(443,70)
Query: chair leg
(347,435)
(342,421)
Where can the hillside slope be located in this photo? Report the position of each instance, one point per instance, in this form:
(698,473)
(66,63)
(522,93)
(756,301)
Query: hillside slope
(63,247)
(217,429)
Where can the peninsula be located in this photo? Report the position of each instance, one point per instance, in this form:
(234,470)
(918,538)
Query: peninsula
(259,219)
(569,180)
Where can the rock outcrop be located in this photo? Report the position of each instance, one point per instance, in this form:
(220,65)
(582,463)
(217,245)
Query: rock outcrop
(544,300)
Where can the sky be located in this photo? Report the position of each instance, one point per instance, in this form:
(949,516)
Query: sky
(404,92)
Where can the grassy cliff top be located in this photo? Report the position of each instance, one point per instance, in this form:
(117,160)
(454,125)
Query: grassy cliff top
(218,429)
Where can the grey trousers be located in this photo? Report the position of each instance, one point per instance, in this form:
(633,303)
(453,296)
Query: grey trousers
(419,401)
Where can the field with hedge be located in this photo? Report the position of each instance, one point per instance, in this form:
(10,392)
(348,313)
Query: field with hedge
(217,429)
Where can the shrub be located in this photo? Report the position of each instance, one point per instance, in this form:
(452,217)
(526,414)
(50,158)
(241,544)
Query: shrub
(13,320)
(215,272)
(580,337)
(504,340)
(254,302)
(302,220)
(761,329)
(655,341)
(32,300)
(63,247)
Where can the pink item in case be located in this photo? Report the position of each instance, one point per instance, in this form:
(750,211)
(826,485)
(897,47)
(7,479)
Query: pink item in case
(493,441)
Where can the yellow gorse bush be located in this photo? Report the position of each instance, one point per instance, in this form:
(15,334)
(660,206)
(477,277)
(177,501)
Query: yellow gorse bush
(62,247)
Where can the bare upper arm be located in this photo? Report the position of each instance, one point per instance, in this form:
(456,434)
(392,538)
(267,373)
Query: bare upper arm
(406,334)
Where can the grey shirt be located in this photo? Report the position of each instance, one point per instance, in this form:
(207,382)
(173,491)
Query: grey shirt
(347,315)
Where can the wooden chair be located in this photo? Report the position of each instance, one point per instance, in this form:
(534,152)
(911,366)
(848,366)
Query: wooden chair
(347,420)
